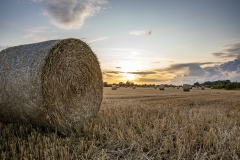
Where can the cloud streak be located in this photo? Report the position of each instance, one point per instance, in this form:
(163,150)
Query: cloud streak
(97,39)
(140,32)
(71,14)
(142,73)
(33,34)
(229,51)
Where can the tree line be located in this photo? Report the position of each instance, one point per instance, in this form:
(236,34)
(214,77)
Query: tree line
(220,84)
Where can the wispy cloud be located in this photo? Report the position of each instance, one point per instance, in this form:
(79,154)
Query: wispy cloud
(97,39)
(39,29)
(34,37)
(71,14)
(144,73)
(140,32)
(33,34)
(229,51)
(151,80)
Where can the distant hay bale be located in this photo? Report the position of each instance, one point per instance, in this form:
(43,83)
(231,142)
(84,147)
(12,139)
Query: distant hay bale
(114,87)
(202,87)
(186,87)
(134,87)
(161,87)
(55,84)
(177,87)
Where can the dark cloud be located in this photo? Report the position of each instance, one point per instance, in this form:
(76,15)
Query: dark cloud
(113,72)
(228,70)
(118,67)
(149,33)
(156,62)
(229,51)
(150,80)
(195,70)
(150,72)
(180,66)
(230,65)
(71,14)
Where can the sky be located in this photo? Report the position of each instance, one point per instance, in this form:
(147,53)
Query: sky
(143,41)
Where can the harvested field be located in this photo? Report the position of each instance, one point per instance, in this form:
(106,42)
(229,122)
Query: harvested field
(140,124)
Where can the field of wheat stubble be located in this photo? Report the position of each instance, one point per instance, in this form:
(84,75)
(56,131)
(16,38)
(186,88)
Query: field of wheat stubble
(141,123)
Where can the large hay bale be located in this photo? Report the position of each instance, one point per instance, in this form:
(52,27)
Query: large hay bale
(134,87)
(161,87)
(114,87)
(55,84)
(186,87)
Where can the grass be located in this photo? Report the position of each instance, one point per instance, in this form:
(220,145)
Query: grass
(141,123)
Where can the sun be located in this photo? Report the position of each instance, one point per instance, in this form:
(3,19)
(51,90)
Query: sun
(128,67)
(131,66)
(129,77)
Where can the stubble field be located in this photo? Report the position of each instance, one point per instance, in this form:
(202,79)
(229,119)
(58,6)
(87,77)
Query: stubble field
(141,123)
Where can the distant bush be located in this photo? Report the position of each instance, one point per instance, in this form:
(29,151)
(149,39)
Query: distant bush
(229,86)
(233,85)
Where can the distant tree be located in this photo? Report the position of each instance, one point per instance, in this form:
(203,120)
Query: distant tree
(121,84)
(105,84)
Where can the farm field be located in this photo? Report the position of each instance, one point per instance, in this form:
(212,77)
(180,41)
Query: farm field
(141,123)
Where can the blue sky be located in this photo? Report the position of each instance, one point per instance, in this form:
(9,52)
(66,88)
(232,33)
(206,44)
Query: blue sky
(145,41)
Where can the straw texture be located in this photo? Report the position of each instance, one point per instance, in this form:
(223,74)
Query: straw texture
(55,84)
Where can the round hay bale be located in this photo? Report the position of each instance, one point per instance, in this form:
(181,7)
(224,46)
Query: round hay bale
(114,87)
(55,84)
(134,87)
(202,88)
(186,87)
(161,87)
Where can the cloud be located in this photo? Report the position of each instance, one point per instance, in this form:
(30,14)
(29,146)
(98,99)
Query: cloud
(180,66)
(118,67)
(230,65)
(113,72)
(97,39)
(228,70)
(156,62)
(33,34)
(71,14)
(34,37)
(151,80)
(229,51)
(39,29)
(149,33)
(142,73)
(138,32)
